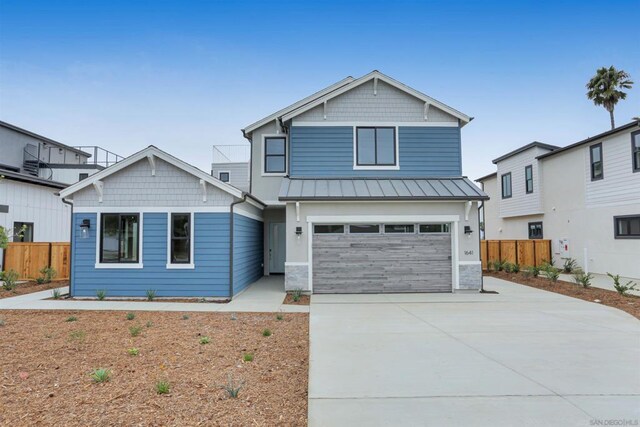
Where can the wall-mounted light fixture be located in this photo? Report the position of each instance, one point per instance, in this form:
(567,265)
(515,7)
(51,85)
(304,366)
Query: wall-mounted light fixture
(298,231)
(467,229)
(84,228)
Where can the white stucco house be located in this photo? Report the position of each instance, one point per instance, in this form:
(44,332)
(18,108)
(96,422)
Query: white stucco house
(585,197)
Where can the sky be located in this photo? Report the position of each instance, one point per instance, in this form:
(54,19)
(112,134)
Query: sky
(185,75)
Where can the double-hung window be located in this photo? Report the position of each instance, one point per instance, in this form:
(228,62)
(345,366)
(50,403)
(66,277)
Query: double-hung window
(528,179)
(635,151)
(597,168)
(180,244)
(376,146)
(120,238)
(506,185)
(275,155)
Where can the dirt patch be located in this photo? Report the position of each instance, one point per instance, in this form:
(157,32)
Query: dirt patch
(304,300)
(630,304)
(30,287)
(46,364)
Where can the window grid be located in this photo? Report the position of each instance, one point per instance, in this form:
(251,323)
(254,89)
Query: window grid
(375,147)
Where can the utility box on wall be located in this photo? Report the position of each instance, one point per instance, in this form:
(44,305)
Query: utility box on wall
(561,247)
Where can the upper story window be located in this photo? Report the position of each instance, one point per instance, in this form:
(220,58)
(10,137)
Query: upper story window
(506,185)
(528,178)
(223,176)
(635,151)
(275,155)
(597,168)
(376,146)
(627,227)
(119,238)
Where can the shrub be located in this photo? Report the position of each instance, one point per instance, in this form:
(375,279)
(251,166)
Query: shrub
(101,294)
(40,280)
(515,268)
(296,294)
(232,387)
(71,319)
(48,274)
(151,294)
(78,336)
(133,351)
(185,317)
(551,273)
(101,375)
(163,387)
(535,271)
(527,272)
(130,316)
(56,294)
(205,340)
(248,357)
(570,264)
(266,332)
(582,279)
(9,279)
(498,265)
(508,267)
(620,288)
(135,330)
(279,316)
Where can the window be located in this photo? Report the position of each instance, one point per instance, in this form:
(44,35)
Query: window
(223,176)
(180,238)
(627,227)
(596,162)
(535,230)
(82,176)
(635,151)
(275,154)
(434,228)
(398,228)
(375,146)
(364,229)
(328,229)
(528,178)
(506,185)
(23,232)
(119,238)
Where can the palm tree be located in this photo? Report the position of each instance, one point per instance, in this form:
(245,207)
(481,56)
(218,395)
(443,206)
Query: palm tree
(605,88)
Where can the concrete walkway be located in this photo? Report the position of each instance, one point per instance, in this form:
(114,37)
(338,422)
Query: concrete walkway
(523,357)
(605,282)
(264,296)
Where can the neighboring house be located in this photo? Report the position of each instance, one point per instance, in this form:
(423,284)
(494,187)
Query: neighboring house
(153,222)
(364,191)
(585,197)
(231,165)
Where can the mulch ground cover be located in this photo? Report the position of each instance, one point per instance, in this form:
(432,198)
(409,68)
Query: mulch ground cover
(30,287)
(47,358)
(630,303)
(304,300)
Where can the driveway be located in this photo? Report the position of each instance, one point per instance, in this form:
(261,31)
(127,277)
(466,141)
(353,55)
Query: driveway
(520,357)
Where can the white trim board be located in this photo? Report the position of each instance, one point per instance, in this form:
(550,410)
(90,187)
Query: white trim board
(263,154)
(376,123)
(244,213)
(149,209)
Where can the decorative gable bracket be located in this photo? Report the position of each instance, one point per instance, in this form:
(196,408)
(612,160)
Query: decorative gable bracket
(99,187)
(203,184)
(152,164)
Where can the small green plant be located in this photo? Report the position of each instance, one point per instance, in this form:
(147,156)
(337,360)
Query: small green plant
(279,316)
(135,330)
(101,375)
(234,316)
(570,264)
(248,357)
(515,268)
(232,387)
(151,294)
(101,294)
(71,319)
(133,351)
(56,294)
(581,278)
(205,340)
(535,271)
(163,387)
(149,324)
(266,332)
(78,336)
(551,273)
(9,279)
(527,273)
(40,280)
(508,267)
(619,287)
(185,317)
(296,294)
(130,316)
(1,322)
(48,274)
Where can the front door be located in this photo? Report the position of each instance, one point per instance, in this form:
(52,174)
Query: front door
(277,251)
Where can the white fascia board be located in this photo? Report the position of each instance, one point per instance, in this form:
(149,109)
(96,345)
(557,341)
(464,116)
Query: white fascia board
(365,219)
(389,81)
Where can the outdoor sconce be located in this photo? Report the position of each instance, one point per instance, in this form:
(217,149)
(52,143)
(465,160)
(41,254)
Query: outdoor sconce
(298,231)
(467,229)
(84,228)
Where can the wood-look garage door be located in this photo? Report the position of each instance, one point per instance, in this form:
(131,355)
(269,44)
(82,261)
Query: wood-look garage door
(378,263)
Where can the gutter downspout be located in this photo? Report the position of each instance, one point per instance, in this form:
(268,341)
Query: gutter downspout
(66,202)
(237,202)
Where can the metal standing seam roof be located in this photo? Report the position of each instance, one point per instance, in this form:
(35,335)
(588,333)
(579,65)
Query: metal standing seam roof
(300,189)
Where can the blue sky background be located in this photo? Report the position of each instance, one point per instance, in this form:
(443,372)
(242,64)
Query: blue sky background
(186,75)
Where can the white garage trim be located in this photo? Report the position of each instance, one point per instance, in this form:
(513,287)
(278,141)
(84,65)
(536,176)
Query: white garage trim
(396,219)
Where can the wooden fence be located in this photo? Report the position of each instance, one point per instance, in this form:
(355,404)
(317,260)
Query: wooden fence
(29,258)
(523,252)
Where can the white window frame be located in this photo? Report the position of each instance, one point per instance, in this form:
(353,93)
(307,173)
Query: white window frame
(263,155)
(228,173)
(115,265)
(375,167)
(181,266)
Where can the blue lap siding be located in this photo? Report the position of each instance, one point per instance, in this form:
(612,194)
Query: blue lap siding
(247,252)
(327,151)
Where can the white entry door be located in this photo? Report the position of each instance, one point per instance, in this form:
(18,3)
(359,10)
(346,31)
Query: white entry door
(277,251)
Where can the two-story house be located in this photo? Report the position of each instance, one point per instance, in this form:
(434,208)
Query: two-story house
(585,197)
(356,188)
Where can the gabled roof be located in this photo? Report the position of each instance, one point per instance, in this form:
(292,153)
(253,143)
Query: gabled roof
(43,138)
(491,175)
(152,151)
(23,177)
(534,144)
(384,78)
(346,189)
(247,130)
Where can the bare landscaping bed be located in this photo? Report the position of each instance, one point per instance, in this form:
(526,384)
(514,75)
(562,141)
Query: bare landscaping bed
(30,287)
(629,303)
(48,356)
(304,300)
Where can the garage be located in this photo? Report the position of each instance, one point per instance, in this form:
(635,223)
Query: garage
(381,258)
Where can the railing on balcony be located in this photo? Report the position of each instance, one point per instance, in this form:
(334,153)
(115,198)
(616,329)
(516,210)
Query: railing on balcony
(231,153)
(100,156)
